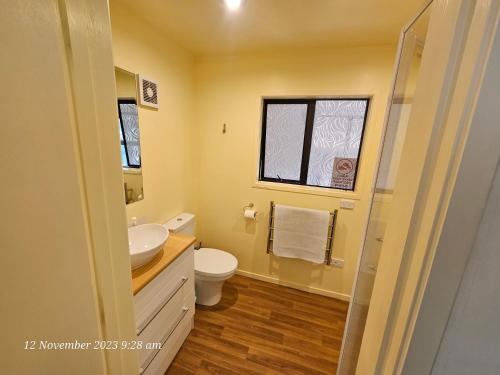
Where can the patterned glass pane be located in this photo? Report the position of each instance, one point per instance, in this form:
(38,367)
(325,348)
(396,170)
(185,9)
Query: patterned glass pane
(285,125)
(124,156)
(131,129)
(338,126)
(122,146)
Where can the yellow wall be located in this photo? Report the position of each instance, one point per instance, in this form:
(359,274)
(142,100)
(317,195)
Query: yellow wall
(125,84)
(229,90)
(167,140)
(63,234)
(189,165)
(48,290)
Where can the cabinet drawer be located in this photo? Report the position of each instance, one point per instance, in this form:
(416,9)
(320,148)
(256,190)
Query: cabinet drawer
(158,361)
(163,324)
(180,306)
(157,294)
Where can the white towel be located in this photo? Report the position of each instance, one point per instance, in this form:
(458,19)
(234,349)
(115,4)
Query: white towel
(300,233)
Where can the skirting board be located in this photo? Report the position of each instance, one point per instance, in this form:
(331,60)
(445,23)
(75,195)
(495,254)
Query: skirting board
(269,279)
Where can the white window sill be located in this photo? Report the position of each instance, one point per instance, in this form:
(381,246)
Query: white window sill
(132,170)
(300,189)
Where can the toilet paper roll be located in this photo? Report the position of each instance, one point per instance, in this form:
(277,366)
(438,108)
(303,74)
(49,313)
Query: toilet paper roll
(250,214)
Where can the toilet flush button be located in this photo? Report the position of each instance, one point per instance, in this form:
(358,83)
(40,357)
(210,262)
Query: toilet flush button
(347,204)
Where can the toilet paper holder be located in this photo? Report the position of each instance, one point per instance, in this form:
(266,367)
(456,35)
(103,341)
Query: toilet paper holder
(249,212)
(249,205)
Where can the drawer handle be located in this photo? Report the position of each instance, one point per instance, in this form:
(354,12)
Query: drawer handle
(155,312)
(165,338)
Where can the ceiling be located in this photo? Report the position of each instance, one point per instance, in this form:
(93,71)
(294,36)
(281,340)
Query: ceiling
(206,27)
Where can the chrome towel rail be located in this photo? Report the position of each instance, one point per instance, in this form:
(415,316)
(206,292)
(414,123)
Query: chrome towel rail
(329,240)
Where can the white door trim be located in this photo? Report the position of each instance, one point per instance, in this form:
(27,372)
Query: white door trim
(87,36)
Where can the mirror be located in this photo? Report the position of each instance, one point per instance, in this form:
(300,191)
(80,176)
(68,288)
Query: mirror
(128,126)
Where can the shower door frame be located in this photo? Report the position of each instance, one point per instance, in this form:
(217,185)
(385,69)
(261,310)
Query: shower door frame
(394,78)
(460,12)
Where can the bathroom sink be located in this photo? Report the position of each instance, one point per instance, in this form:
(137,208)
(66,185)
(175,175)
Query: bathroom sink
(144,242)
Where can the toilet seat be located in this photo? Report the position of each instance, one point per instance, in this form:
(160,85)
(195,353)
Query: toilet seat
(214,263)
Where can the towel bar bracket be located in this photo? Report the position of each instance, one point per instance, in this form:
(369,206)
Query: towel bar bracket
(329,239)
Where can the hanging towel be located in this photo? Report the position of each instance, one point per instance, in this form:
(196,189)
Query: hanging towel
(300,233)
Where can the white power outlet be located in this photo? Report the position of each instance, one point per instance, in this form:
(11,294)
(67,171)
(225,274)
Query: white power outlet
(336,262)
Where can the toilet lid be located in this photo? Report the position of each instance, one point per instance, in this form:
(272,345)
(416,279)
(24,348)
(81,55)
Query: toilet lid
(214,262)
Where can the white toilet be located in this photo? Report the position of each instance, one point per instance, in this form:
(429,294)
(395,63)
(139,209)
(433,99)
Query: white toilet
(211,266)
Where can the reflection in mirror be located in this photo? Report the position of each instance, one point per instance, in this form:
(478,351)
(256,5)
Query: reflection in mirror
(128,126)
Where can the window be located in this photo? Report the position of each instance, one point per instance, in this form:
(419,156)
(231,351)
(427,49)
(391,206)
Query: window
(128,123)
(313,142)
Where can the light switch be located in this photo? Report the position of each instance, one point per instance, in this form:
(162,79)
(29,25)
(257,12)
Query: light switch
(347,204)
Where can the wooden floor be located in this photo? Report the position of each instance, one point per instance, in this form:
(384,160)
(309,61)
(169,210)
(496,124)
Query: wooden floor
(262,328)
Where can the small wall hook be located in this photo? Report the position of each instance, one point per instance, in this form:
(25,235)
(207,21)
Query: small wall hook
(224,129)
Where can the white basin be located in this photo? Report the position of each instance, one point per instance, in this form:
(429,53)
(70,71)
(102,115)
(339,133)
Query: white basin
(144,242)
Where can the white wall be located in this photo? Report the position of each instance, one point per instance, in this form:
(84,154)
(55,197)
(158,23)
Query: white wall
(471,343)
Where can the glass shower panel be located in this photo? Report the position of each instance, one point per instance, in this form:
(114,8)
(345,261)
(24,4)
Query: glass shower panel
(395,136)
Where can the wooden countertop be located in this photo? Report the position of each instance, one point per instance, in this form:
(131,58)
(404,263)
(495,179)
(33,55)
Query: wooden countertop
(175,246)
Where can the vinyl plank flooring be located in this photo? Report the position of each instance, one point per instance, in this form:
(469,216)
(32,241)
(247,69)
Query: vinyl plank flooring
(263,328)
(284,365)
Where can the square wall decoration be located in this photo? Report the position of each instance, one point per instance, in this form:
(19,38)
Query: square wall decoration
(148,92)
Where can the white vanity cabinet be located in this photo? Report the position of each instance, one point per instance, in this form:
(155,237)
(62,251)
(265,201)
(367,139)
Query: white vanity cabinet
(164,310)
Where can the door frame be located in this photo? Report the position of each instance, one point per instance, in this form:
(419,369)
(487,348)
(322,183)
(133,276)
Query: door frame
(86,30)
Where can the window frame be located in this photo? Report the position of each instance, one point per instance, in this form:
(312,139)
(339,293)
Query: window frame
(123,141)
(307,142)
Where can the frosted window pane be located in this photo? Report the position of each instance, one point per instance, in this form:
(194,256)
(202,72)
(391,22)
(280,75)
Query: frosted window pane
(338,125)
(122,146)
(124,156)
(131,129)
(284,140)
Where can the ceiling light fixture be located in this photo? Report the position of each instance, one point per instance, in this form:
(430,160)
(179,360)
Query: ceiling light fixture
(233,4)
